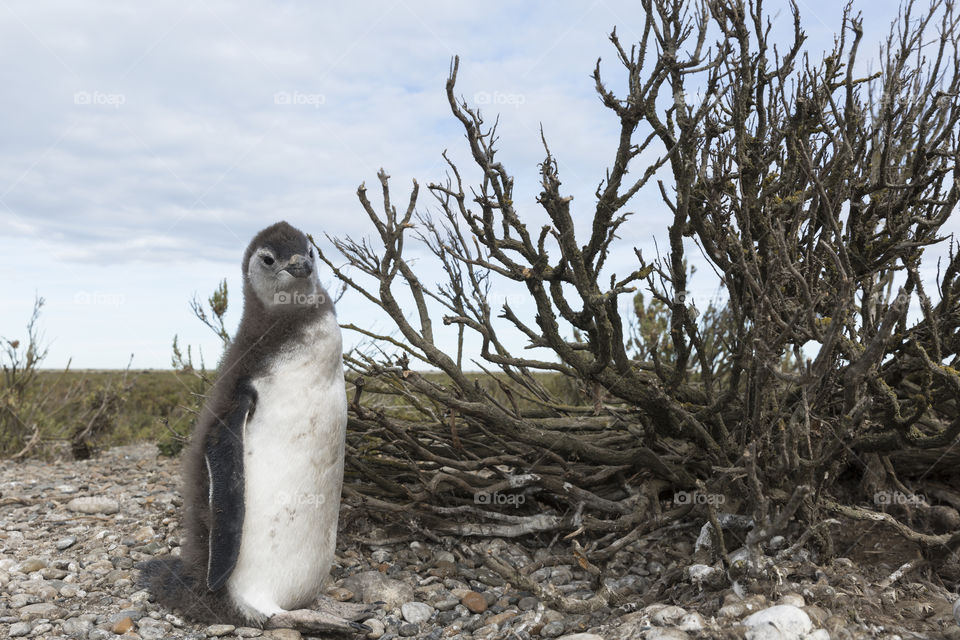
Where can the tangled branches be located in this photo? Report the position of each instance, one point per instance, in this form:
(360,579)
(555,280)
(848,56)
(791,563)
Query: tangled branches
(810,190)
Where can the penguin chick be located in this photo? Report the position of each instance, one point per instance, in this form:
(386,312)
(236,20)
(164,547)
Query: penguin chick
(263,471)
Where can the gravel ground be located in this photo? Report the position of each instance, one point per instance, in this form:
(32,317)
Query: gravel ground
(71,533)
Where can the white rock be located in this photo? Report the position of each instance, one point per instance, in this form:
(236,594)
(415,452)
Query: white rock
(416,612)
(581,636)
(667,615)
(693,621)
(66,543)
(780,622)
(659,633)
(93,504)
(700,572)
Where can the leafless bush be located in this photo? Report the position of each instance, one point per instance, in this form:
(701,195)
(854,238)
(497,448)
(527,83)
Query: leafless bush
(811,190)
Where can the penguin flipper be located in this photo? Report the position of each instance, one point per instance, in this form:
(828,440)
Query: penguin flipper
(224,458)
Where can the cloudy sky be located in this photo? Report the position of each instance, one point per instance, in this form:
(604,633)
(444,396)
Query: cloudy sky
(144,144)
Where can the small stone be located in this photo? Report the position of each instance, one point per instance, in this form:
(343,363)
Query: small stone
(373,586)
(527,603)
(340,594)
(247,632)
(71,591)
(552,629)
(446,603)
(416,612)
(42,630)
(581,636)
(500,618)
(444,569)
(30,565)
(174,620)
(787,619)
(217,630)
(150,629)
(490,577)
(667,615)
(661,633)
(66,543)
(41,610)
(446,617)
(18,600)
(76,627)
(284,634)
(486,631)
(19,629)
(793,599)
(474,601)
(693,621)
(122,626)
(408,629)
(93,504)
(376,628)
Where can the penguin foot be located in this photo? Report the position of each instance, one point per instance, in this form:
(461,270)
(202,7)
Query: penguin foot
(310,621)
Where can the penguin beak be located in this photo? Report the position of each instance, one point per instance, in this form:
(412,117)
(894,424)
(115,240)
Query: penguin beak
(299,266)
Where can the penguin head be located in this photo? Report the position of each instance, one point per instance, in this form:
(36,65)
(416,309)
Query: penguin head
(279,269)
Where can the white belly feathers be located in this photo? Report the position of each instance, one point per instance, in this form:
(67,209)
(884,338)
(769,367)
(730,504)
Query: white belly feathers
(293,472)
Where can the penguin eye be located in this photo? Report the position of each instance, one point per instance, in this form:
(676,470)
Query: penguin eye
(267,260)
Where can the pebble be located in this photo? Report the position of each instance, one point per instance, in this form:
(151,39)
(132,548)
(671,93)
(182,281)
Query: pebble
(416,612)
(692,621)
(66,543)
(527,603)
(408,629)
(217,630)
(122,626)
(247,632)
(446,603)
(661,633)
(340,594)
(93,504)
(665,615)
(76,627)
(785,620)
(150,629)
(284,634)
(373,586)
(474,601)
(31,565)
(41,610)
(19,629)
(552,629)
(376,628)
(581,636)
